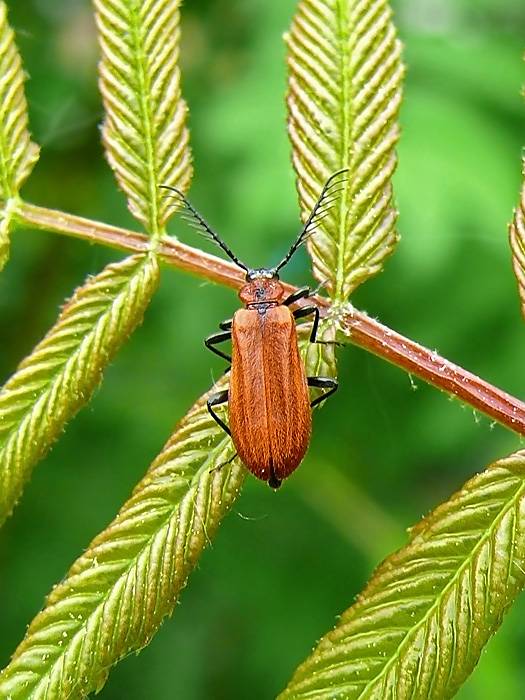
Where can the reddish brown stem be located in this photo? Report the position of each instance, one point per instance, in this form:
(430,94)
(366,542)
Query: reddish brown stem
(434,369)
(363,331)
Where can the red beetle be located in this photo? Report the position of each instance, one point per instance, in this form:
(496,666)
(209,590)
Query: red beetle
(268,399)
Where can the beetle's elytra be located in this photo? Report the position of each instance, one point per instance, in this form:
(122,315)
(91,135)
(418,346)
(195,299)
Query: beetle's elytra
(268,399)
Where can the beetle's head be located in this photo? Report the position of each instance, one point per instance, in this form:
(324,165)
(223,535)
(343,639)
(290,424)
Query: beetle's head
(262,287)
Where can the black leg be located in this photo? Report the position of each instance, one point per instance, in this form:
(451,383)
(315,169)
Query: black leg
(216,400)
(302,293)
(226,325)
(223,464)
(307,311)
(212,340)
(327,383)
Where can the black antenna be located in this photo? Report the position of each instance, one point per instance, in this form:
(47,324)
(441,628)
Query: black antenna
(195,220)
(321,209)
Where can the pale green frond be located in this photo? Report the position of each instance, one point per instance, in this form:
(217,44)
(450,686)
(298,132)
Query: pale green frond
(7,212)
(116,595)
(18,153)
(59,376)
(419,627)
(145,134)
(344,93)
(517,244)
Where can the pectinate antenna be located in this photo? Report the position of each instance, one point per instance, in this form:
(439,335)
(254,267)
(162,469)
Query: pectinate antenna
(195,220)
(322,208)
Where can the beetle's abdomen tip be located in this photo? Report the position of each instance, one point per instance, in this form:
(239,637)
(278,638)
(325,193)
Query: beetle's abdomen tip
(274,482)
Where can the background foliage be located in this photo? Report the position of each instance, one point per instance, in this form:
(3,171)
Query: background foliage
(283,566)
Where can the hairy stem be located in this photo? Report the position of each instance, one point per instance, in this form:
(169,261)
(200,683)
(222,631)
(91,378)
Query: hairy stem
(436,370)
(171,251)
(363,331)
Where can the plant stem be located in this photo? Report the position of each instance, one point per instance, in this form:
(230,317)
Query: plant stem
(363,330)
(436,370)
(171,251)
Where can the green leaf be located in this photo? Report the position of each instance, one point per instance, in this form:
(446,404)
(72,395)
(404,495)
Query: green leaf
(517,244)
(17,152)
(420,625)
(145,134)
(344,92)
(59,376)
(116,595)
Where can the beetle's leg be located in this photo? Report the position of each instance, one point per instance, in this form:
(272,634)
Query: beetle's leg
(302,293)
(331,385)
(226,325)
(223,464)
(216,400)
(212,340)
(307,311)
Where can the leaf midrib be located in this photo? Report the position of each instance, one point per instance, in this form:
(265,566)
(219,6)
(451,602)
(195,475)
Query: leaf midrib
(344,37)
(58,376)
(453,581)
(147,122)
(6,171)
(193,487)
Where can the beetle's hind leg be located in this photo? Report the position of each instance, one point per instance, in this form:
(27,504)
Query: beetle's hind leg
(329,383)
(223,464)
(218,399)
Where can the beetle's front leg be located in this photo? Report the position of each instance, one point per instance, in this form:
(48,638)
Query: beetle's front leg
(302,293)
(226,325)
(331,385)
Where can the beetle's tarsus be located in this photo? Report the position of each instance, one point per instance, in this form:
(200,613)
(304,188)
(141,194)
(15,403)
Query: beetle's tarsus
(223,464)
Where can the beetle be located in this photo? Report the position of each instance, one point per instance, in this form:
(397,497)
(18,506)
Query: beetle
(268,399)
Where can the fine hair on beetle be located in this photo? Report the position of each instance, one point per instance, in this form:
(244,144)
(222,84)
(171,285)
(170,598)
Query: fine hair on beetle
(268,398)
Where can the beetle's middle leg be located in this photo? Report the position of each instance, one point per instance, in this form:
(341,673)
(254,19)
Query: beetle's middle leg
(308,311)
(212,340)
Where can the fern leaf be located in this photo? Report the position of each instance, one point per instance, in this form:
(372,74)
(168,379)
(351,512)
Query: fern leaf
(59,376)
(418,628)
(116,595)
(18,153)
(144,133)
(517,244)
(344,92)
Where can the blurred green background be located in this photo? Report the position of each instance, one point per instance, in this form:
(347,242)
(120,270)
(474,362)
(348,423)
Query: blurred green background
(384,450)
